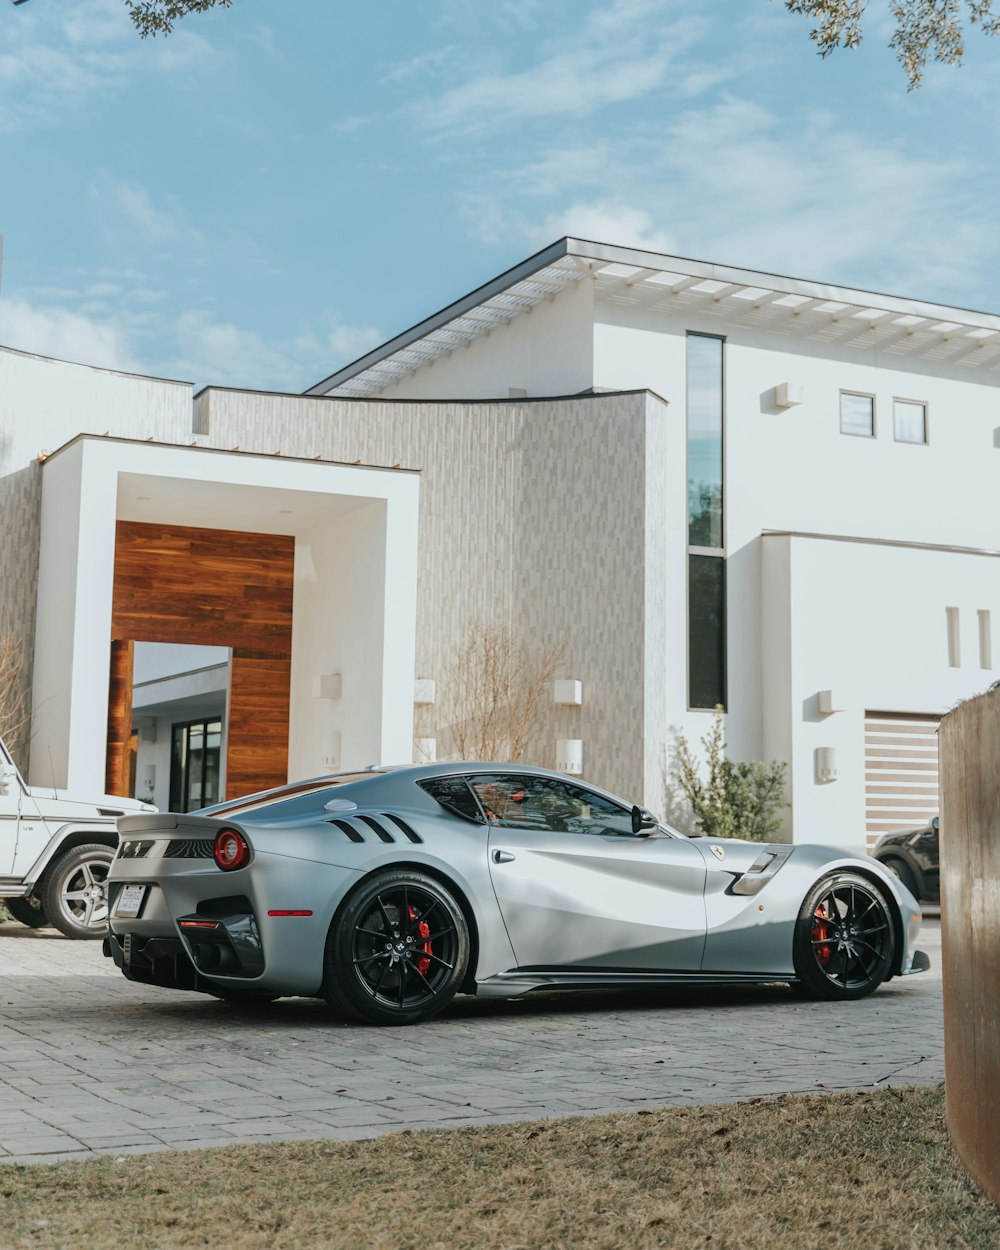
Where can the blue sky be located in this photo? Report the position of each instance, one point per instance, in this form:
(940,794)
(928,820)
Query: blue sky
(259,198)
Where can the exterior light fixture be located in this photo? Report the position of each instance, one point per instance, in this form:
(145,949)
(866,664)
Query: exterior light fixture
(567,690)
(569,756)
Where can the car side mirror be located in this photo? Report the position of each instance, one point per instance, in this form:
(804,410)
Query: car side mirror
(643,822)
(935,824)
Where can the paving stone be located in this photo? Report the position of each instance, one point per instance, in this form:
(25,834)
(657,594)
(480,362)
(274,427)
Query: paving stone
(93,1064)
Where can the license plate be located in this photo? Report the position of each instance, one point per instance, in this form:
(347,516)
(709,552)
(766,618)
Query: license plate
(130,901)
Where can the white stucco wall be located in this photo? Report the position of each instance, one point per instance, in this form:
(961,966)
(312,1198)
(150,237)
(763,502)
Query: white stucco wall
(867,622)
(89,484)
(44,403)
(548,351)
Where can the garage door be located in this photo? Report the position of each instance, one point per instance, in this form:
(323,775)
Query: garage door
(901,772)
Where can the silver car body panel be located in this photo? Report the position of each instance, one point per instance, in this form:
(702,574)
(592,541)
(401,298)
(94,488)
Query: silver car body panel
(545,908)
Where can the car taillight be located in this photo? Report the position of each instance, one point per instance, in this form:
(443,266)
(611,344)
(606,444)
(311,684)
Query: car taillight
(231,850)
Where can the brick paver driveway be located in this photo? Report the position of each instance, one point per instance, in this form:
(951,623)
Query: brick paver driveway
(91,1063)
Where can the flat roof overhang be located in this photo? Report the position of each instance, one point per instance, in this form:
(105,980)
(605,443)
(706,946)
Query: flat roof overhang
(795,306)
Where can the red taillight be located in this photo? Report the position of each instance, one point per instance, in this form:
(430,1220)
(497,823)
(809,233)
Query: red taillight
(231,850)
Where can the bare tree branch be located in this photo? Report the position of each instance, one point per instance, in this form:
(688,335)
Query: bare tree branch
(497,688)
(15,713)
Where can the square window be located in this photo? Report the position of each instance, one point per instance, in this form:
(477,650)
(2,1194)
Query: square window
(857,414)
(909,421)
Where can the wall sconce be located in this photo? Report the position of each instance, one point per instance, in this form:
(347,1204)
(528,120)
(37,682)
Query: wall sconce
(789,394)
(147,781)
(424,750)
(569,756)
(424,690)
(331,757)
(827,704)
(826,765)
(567,690)
(327,686)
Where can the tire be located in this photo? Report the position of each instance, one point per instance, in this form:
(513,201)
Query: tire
(397,951)
(844,938)
(28,910)
(74,893)
(903,872)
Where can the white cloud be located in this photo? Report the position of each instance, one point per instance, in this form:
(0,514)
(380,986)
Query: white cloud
(127,210)
(620,53)
(66,334)
(736,183)
(605,221)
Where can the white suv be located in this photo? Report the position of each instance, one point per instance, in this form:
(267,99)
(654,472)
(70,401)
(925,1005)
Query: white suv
(55,852)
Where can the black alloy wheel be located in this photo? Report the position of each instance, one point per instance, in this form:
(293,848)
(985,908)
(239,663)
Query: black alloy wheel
(397,951)
(844,938)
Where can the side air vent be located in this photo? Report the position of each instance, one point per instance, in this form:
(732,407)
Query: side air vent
(189,848)
(110,811)
(382,832)
(346,827)
(410,833)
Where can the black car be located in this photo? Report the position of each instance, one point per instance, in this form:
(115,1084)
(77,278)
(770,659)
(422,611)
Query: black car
(912,855)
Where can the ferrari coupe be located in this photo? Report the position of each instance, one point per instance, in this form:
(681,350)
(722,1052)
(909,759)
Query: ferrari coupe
(388,892)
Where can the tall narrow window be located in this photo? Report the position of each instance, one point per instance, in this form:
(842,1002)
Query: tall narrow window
(985,639)
(954,638)
(706,533)
(195,765)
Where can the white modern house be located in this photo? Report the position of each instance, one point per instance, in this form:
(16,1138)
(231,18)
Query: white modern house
(710,486)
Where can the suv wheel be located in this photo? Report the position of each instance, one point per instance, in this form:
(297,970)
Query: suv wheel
(74,896)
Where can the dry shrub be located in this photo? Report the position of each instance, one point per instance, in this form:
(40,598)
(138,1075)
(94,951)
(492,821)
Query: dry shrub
(497,687)
(15,712)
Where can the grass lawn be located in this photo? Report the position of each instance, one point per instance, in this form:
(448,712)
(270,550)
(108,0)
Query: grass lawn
(871,1171)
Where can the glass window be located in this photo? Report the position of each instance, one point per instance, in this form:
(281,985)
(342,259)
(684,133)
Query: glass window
(909,421)
(195,765)
(704,432)
(544,803)
(857,415)
(706,632)
(454,794)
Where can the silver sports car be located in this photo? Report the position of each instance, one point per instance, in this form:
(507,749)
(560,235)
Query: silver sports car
(388,892)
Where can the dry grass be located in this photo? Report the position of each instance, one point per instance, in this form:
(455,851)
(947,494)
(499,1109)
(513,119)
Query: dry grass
(842,1172)
(15,712)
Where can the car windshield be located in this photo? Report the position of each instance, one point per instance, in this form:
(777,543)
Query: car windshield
(299,789)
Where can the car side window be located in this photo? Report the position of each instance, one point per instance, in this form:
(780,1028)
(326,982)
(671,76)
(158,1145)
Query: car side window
(454,795)
(526,802)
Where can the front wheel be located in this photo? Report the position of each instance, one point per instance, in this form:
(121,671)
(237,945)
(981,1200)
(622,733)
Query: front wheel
(397,951)
(844,939)
(75,893)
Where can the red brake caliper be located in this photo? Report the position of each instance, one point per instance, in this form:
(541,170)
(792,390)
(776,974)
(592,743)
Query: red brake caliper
(424,929)
(819,934)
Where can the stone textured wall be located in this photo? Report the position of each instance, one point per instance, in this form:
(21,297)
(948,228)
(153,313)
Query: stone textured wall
(532,516)
(20,503)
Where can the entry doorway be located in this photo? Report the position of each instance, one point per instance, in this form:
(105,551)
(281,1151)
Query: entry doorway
(180,714)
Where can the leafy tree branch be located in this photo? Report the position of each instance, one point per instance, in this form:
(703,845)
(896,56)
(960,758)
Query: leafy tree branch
(925,29)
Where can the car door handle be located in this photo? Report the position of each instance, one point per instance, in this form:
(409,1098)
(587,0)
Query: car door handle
(503,857)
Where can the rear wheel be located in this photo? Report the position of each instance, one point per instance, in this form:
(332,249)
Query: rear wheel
(74,896)
(397,951)
(27,910)
(844,939)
